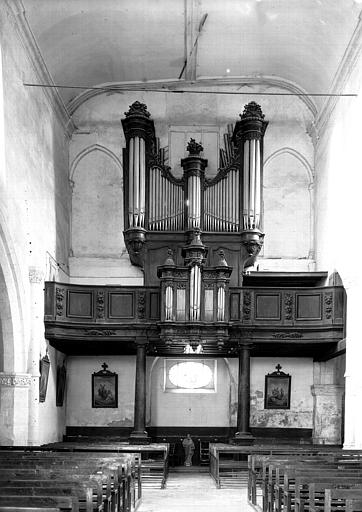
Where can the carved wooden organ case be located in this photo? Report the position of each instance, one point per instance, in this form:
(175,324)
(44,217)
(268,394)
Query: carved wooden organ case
(193,235)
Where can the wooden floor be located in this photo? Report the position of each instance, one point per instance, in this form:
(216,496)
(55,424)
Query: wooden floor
(193,492)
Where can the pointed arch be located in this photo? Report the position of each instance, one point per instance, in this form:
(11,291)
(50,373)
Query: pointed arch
(296,155)
(309,190)
(89,149)
(104,212)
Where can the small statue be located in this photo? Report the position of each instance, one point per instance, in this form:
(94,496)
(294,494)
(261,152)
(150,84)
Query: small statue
(189,448)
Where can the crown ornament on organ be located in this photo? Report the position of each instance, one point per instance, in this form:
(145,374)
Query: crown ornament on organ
(194,148)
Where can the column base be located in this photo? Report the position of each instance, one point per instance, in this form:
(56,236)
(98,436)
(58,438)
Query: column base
(138,437)
(243,438)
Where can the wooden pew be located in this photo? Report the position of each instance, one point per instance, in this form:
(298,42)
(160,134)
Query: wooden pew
(28,509)
(98,482)
(316,491)
(297,483)
(62,503)
(45,488)
(119,468)
(274,482)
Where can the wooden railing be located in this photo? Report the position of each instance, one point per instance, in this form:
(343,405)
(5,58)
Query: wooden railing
(257,307)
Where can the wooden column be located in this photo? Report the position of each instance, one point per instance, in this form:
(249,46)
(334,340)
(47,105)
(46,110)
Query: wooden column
(243,434)
(139,434)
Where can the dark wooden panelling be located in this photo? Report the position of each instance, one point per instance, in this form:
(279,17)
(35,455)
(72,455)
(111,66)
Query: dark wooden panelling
(267,306)
(154,306)
(170,434)
(234,306)
(121,305)
(338,305)
(309,306)
(80,304)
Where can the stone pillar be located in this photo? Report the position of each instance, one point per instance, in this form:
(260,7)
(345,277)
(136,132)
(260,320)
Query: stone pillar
(243,434)
(14,393)
(139,434)
(327,413)
(36,278)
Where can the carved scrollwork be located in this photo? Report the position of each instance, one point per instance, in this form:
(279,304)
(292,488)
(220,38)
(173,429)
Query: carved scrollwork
(208,285)
(253,247)
(181,285)
(100,304)
(141,308)
(328,305)
(59,297)
(288,306)
(287,335)
(100,332)
(246,305)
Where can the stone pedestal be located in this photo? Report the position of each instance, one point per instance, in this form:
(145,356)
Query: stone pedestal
(14,406)
(327,413)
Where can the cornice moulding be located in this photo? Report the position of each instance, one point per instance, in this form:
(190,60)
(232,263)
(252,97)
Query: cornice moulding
(174,85)
(31,47)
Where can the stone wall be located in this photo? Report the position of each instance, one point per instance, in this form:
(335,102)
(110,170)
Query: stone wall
(34,231)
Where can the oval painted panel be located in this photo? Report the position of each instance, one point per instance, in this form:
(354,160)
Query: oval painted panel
(190,375)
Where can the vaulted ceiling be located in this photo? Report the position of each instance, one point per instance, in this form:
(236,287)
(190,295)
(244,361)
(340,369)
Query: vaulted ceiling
(92,42)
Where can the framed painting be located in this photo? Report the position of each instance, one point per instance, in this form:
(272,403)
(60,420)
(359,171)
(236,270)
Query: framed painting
(277,390)
(44,367)
(104,388)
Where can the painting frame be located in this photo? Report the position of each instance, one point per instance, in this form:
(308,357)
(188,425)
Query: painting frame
(44,367)
(277,390)
(104,389)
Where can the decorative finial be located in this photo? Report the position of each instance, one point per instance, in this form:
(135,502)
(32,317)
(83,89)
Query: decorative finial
(194,148)
(169,259)
(222,261)
(278,367)
(252,109)
(104,366)
(137,109)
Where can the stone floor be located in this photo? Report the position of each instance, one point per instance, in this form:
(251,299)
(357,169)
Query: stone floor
(194,492)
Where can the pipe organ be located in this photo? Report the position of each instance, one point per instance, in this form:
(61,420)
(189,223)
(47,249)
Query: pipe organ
(158,202)
(166,200)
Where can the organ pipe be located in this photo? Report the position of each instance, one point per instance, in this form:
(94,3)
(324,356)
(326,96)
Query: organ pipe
(168,302)
(140,138)
(166,202)
(248,137)
(195,293)
(194,167)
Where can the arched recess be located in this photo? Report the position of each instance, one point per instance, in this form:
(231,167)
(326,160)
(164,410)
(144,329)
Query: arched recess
(97,203)
(189,410)
(288,205)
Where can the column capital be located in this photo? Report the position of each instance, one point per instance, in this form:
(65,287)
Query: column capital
(141,342)
(245,345)
(15,380)
(36,275)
